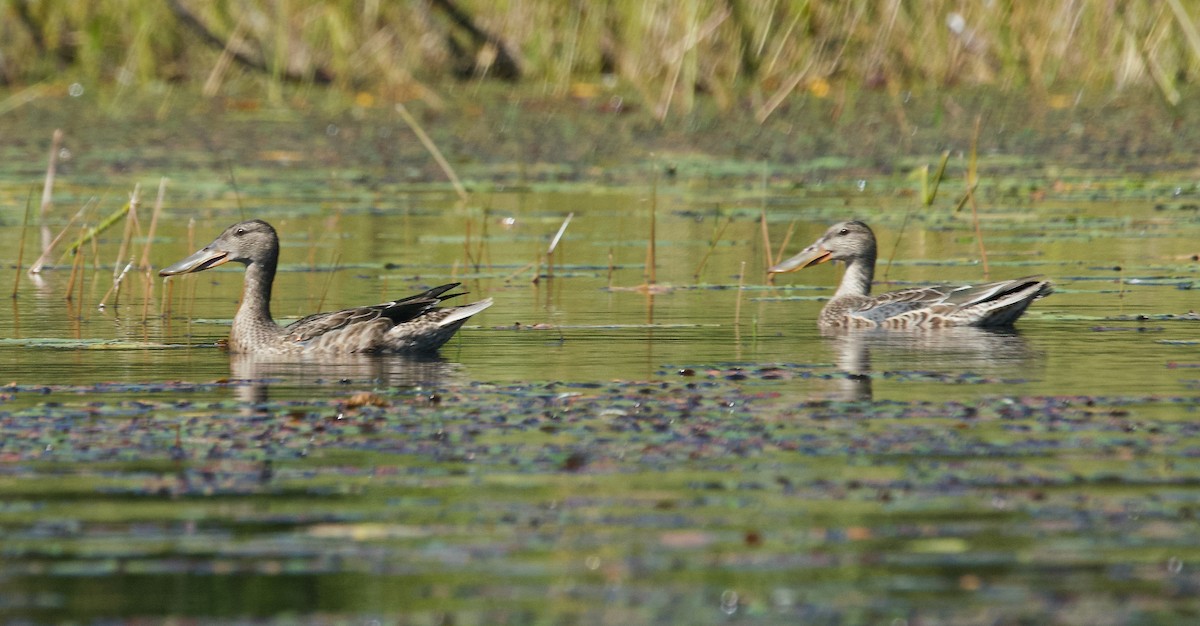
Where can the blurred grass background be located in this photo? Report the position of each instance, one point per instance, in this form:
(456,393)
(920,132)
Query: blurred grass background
(669,52)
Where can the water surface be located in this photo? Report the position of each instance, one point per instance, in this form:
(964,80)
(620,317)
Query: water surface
(590,450)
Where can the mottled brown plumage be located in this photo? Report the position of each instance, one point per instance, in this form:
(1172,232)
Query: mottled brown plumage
(413,325)
(995,304)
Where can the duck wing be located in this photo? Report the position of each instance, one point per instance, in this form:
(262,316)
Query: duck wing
(989,304)
(392,313)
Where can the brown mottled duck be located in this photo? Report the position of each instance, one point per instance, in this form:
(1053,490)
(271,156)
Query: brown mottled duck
(414,325)
(997,304)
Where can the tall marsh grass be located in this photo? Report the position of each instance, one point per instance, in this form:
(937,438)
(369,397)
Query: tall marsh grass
(669,51)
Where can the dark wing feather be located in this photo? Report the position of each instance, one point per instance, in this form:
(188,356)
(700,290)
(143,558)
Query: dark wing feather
(397,312)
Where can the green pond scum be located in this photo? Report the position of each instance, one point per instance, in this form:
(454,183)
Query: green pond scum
(606,444)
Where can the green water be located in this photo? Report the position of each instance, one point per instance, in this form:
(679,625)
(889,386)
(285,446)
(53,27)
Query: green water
(586,452)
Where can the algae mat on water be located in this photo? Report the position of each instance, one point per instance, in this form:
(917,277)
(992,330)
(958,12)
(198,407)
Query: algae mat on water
(714,495)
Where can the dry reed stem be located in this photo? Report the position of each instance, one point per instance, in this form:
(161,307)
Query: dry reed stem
(471,260)
(37,266)
(972,182)
(158,206)
(115,290)
(130,221)
(683,51)
(611,268)
(432,148)
(766,237)
(82,277)
(48,187)
(337,258)
(213,83)
(21,98)
(524,268)
(780,95)
(76,261)
(651,273)
(558,236)
(928,195)
(554,244)
(21,244)
(787,238)
(737,308)
(712,245)
(1186,25)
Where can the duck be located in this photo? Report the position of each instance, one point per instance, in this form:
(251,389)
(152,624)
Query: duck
(413,325)
(988,305)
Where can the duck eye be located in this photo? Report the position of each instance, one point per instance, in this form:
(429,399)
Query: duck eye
(844,231)
(239,232)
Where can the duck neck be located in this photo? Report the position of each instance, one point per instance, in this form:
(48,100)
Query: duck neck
(255,309)
(860,272)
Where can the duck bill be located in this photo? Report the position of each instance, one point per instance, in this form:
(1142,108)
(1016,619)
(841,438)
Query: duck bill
(199,261)
(811,255)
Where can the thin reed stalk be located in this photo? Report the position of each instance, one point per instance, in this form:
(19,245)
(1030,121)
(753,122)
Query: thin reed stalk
(972,183)
(37,266)
(130,223)
(737,307)
(432,148)
(21,245)
(554,243)
(712,245)
(651,273)
(787,238)
(76,261)
(337,259)
(611,268)
(115,290)
(48,187)
(928,195)
(471,260)
(158,207)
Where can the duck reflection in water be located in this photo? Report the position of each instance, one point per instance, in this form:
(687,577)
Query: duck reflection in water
(959,350)
(257,374)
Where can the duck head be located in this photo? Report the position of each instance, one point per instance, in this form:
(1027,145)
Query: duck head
(248,242)
(845,241)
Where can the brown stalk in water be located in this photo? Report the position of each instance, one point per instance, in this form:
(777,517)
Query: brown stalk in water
(131,223)
(651,275)
(787,238)
(21,245)
(145,262)
(48,189)
(712,245)
(611,267)
(76,262)
(737,309)
(37,266)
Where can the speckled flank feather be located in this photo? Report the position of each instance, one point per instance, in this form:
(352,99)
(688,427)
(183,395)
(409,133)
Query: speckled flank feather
(995,304)
(413,325)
